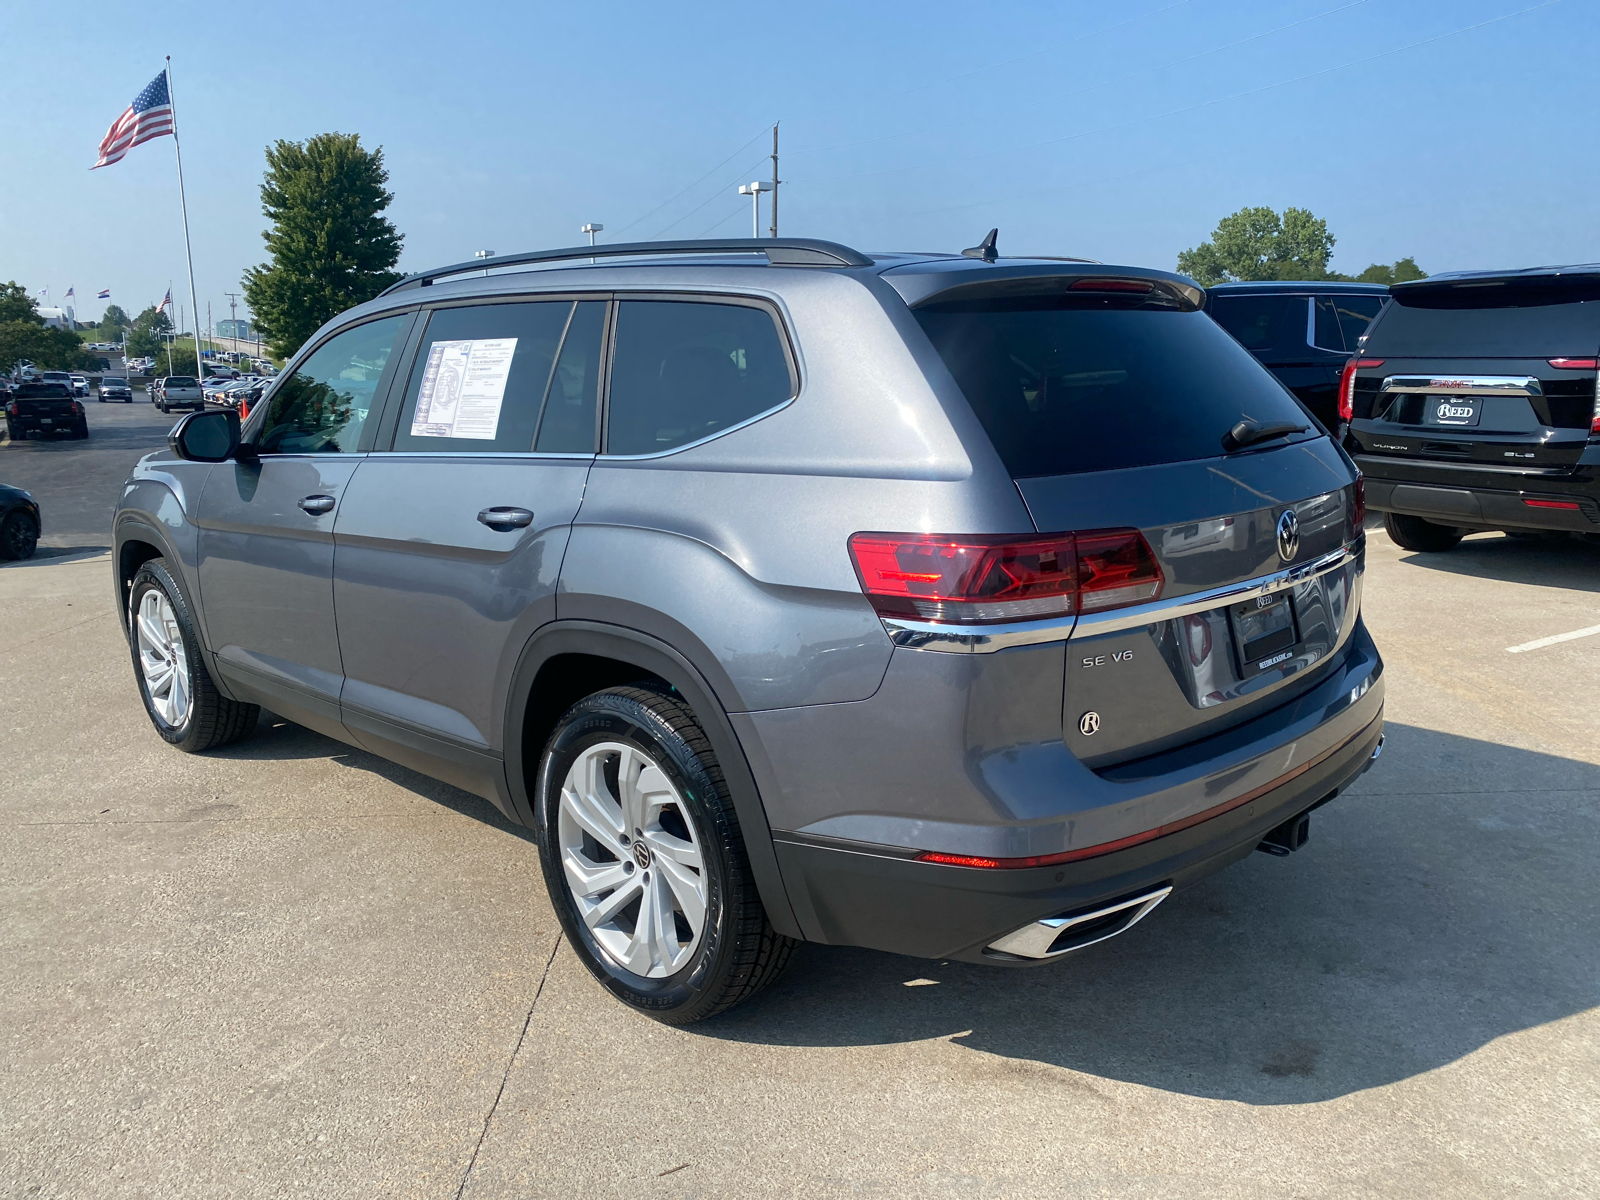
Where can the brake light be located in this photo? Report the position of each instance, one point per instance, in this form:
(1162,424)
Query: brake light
(1347,385)
(959,579)
(14,410)
(1112,285)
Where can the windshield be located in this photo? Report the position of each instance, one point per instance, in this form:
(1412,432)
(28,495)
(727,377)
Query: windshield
(1065,385)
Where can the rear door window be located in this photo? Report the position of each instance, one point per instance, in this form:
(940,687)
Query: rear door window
(1063,389)
(1341,320)
(685,370)
(1263,322)
(482,373)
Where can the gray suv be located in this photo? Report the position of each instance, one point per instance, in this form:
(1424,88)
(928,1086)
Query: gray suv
(950,605)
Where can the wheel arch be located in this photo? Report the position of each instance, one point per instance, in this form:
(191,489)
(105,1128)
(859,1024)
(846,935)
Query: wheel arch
(567,660)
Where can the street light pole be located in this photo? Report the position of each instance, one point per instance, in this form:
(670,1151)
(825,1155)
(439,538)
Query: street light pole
(485,255)
(754,190)
(592,228)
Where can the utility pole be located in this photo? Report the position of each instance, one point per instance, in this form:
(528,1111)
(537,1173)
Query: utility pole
(233,317)
(211,332)
(775,179)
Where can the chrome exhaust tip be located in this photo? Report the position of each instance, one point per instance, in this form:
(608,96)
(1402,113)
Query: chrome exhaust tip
(1055,936)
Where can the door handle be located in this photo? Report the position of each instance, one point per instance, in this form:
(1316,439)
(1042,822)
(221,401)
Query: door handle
(504,519)
(317,505)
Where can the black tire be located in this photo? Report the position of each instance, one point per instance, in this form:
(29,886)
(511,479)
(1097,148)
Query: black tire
(212,719)
(19,536)
(100,398)
(738,952)
(1414,533)
(82,430)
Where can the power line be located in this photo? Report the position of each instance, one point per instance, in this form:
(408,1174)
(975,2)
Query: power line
(692,186)
(1206,103)
(1000,112)
(721,221)
(744,174)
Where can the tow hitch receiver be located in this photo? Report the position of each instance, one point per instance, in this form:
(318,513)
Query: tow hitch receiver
(1288,837)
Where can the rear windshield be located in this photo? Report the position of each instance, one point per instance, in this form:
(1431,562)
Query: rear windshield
(1523,331)
(36,391)
(1064,386)
(180,381)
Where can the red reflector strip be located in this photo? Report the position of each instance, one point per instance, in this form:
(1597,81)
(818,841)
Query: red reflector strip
(1112,285)
(1149,835)
(1566,504)
(1575,364)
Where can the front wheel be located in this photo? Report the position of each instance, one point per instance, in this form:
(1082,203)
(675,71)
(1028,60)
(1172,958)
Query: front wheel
(182,702)
(1414,533)
(644,859)
(19,536)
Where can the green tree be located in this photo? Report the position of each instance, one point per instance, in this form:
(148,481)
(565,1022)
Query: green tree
(1399,272)
(1256,243)
(331,246)
(25,336)
(147,335)
(112,322)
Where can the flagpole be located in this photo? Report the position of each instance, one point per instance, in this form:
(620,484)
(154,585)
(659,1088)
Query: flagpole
(199,365)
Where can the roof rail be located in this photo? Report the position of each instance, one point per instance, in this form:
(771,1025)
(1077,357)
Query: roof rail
(780,252)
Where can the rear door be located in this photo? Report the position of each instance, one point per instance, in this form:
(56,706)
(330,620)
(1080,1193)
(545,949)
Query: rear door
(451,537)
(1109,412)
(266,526)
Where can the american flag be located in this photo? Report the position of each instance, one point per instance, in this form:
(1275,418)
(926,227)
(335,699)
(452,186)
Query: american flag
(166,303)
(149,116)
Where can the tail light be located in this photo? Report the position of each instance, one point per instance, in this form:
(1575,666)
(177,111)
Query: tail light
(1584,364)
(1347,385)
(1359,517)
(959,579)
(14,410)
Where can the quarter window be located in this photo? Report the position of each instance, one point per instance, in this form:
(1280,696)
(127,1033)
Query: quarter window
(1341,320)
(685,370)
(1261,322)
(323,406)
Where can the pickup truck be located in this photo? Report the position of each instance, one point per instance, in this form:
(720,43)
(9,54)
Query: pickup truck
(44,408)
(177,391)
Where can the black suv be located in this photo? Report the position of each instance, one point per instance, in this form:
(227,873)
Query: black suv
(1302,332)
(1473,405)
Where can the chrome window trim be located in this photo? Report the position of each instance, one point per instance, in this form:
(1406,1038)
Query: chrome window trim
(986,639)
(1464,385)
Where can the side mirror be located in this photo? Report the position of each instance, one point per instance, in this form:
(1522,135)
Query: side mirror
(210,436)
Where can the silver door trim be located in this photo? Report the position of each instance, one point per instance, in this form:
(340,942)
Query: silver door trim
(986,639)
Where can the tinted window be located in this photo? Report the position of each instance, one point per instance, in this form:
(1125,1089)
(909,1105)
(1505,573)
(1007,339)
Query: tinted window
(1540,331)
(321,408)
(180,381)
(480,377)
(1341,320)
(684,371)
(569,424)
(1062,389)
(1261,322)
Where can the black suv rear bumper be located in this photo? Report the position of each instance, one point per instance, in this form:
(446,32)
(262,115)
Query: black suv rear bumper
(1553,506)
(866,898)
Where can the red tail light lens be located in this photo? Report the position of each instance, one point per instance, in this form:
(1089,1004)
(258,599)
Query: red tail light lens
(1347,385)
(1112,285)
(1359,517)
(980,580)
(1575,364)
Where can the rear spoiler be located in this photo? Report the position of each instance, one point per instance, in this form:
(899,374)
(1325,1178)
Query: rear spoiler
(944,281)
(1528,287)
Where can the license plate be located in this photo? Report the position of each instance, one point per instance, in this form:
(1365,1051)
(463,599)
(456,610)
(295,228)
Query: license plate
(46,421)
(1452,410)
(1264,632)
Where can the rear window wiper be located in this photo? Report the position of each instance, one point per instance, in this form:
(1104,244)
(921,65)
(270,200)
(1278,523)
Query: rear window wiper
(1248,433)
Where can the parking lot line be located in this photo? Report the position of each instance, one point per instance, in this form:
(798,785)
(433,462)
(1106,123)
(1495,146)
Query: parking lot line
(1541,643)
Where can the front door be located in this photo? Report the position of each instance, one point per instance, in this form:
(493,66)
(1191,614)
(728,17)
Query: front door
(449,544)
(266,528)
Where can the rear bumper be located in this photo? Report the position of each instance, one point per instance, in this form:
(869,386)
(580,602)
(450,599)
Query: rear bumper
(860,895)
(1532,504)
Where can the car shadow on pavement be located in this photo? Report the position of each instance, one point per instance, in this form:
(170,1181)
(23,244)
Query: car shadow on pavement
(276,739)
(1448,899)
(1556,562)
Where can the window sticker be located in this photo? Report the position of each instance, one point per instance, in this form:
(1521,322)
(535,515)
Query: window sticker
(463,387)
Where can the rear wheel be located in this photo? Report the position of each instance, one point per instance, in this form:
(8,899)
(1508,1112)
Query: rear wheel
(644,859)
(179,696)
(1415,533)
(19,536)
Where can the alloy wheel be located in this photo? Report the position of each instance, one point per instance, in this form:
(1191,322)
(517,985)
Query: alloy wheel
(632,859)
(162,659)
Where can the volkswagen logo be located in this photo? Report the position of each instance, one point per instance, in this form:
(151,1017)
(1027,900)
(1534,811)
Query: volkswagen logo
(1288,535)
(1089,724)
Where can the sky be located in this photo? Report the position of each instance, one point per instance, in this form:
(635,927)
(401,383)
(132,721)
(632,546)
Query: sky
(1460,132)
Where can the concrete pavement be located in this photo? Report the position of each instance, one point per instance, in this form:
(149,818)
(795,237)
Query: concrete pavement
(292,968)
